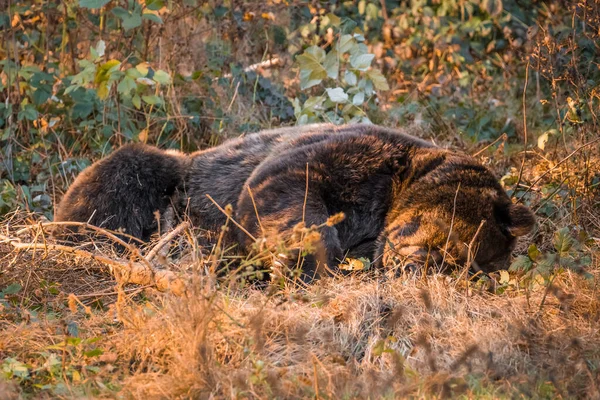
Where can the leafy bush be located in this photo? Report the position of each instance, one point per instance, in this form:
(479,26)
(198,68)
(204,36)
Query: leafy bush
(348,58)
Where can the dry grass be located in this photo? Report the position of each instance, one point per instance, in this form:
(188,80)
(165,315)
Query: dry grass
(71,330)
(361,336)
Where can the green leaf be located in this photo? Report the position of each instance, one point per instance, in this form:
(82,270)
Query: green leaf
(362,62)
(137,101)
(154,5)
(82,110)
(350,78)
(152,100)
(13,288)
(73,330)
(332,65)
(152,17)
(93,3)
(303,120)
(129,19)
(546,264)
(28,112)
(347,25)
(521,264)
(12,367)
(74,340)
(161,77)
(563,241)
(317,53)
(94,352)
(312,102)
(337,95)
(358,99)
(334,19)
(311,70)
(126,86)
(346,43)
(104,71)
(533,252)
(378,79)
(41,95)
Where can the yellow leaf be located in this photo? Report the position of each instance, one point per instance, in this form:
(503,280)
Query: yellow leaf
(103,72)
(103,91)
(143,136)
(15,21)
(352,264)
(504,277)
(76,376)
(143,68)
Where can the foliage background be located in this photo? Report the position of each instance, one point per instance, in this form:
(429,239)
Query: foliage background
(516,82)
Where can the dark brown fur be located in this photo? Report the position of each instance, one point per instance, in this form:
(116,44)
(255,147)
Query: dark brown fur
(402,197)
(123,191)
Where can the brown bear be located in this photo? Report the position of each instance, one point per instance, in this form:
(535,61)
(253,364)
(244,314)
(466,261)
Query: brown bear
(401,196)
(123,192)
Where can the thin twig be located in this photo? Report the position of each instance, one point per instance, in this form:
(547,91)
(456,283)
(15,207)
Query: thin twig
(230,218)
(503,137)
(165,240)
(524,128)
(255,209)
(556,166)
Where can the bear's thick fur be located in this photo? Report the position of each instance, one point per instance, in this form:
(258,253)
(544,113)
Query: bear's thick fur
(401,196)
(123,191)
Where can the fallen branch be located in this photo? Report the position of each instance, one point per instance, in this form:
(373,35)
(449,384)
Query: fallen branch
(140,273)
(165,240)
(273,62)
(132,249)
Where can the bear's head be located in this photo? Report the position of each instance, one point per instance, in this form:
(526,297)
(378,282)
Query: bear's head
(449,209)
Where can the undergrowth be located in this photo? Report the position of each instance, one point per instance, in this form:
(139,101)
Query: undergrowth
(514,83)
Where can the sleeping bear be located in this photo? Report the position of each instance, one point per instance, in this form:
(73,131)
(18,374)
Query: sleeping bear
(400,197)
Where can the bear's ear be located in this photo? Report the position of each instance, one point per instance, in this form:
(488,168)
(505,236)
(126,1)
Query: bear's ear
(521,220)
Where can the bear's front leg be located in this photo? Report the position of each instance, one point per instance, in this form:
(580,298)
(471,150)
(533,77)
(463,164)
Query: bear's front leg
(292,224)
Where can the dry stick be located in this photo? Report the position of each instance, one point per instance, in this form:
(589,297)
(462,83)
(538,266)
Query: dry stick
(524,129)
(305,195)
(255,209)
(137,273)
(556,166)
(299,260)
(470,257)
(315,380)
(234,96)
(165,240)
(503,137)
(451,226)
(217,250)
(230,218)
(134,250)
(86,225)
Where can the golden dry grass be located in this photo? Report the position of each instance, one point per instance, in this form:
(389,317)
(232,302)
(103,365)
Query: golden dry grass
(361,336)
(72,330)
